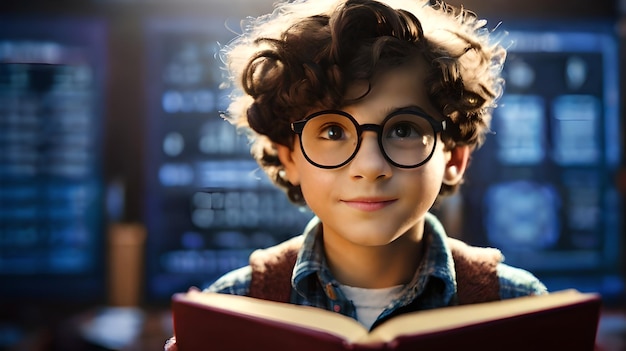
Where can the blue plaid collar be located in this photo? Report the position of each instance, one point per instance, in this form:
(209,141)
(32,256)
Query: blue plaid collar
(437,264)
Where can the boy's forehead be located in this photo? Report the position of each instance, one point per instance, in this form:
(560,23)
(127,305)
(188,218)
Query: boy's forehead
(357,89)
(413,66)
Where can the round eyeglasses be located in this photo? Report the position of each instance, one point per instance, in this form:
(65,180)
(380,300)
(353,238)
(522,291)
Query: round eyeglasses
(331,138)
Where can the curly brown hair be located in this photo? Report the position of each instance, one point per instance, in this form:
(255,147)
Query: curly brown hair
(305,54)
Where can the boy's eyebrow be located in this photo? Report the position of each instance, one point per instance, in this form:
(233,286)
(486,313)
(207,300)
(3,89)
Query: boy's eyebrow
(437,116)
(408,107)
(393,109)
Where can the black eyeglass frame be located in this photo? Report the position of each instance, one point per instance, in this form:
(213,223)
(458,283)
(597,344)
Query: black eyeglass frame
(438,127)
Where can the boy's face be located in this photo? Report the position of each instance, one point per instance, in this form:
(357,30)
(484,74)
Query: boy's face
(368,201)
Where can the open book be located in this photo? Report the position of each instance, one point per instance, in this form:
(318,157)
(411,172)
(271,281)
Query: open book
(564,320)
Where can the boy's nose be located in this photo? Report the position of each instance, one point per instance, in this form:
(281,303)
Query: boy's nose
(370,162)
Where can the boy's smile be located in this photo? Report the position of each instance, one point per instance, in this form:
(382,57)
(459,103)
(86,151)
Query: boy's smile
(368,203)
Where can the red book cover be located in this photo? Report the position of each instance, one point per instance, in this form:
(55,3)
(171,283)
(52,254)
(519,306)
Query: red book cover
(559,321)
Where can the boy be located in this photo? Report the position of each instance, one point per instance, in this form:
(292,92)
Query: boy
(367,112)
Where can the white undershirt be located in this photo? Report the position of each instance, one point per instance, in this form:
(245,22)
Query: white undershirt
(370,303)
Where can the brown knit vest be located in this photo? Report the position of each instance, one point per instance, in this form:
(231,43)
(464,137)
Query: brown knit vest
(476,271)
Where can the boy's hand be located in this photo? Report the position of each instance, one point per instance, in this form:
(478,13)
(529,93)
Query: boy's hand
(170,344)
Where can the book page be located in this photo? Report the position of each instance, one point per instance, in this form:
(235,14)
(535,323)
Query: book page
(447,318)
(304,316)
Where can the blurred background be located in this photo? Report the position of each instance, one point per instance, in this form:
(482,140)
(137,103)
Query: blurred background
(120,184)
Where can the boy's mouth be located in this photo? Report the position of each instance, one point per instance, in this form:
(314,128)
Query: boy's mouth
(368,204)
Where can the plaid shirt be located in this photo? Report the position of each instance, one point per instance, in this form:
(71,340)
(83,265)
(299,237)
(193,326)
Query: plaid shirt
(433,286)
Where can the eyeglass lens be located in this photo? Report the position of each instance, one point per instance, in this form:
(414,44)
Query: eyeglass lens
(332,139)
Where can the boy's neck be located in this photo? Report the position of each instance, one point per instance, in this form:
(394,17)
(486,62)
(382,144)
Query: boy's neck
(375,267)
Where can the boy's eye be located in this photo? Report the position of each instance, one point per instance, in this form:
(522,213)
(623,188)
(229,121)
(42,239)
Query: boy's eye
(404,130)
(332,132)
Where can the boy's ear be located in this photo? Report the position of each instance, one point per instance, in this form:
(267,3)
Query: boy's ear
(456,165)
(285,155)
